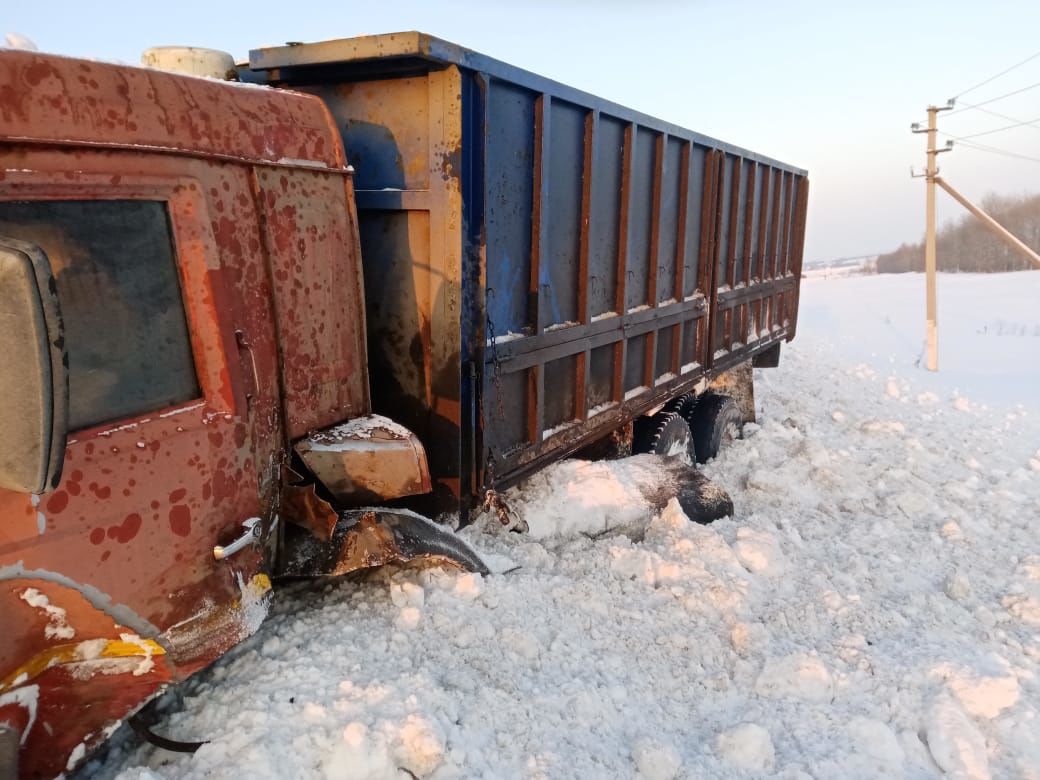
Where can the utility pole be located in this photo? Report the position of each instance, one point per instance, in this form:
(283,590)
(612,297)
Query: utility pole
(932,170)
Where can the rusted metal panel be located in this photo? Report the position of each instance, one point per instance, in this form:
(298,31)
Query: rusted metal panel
(59,100)
(367,460)
(612,260)
(315,259)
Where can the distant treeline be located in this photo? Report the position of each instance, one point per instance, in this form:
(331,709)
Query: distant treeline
(968,245)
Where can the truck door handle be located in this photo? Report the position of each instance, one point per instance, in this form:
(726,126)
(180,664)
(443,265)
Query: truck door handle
(250,536)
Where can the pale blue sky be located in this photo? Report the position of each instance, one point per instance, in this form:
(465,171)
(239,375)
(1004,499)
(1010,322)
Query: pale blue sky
(828,86)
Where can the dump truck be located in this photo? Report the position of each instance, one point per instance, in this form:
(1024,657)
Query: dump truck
(276,321)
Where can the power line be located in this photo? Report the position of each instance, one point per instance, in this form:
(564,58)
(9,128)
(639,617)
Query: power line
(993,100)
(1032,122)
(999,115)
(1030,58)
(1003,152)
(986,148)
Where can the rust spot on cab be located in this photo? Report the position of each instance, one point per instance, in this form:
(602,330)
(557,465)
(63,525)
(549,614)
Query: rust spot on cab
(127,531)
(180,520)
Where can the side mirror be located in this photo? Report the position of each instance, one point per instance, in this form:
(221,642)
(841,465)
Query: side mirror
(34,383)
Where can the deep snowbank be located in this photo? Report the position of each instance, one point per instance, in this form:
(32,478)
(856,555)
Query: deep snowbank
(873,610)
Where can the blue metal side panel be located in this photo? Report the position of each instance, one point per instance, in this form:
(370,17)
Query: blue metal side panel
(604,216)
(560,277)
(510,197)
(637,271)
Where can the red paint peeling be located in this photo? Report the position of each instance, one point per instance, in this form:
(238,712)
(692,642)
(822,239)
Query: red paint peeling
(97,536)
(177,495)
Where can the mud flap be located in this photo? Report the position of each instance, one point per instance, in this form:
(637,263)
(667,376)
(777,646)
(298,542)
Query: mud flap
(366,538)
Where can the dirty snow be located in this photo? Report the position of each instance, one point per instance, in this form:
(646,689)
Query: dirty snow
(333,439)
(872,610)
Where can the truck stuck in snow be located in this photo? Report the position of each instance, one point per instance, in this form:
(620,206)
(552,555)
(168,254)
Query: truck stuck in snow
(254,333)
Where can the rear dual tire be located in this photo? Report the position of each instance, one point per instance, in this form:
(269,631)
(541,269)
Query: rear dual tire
(715,421)
(665,433)
(698,426)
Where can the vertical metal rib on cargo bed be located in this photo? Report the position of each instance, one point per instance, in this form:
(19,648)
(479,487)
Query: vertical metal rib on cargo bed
(542,264)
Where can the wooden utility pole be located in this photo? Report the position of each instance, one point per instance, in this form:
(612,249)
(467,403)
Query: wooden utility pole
(931,311)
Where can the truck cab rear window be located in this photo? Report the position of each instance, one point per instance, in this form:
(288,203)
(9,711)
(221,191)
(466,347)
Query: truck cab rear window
(125,328)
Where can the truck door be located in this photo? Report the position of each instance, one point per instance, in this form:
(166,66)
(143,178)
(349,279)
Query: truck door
(159,464)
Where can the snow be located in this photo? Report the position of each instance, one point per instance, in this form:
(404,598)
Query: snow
(13,40)
(505,338)
(603,407)
(748,747)
(872,610)
(334,439)
(989,330)
(57,626)
(635,392)
(561,326)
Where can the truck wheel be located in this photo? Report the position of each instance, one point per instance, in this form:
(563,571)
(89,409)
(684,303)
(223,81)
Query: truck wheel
(716,420)
(683,406)
(666,433)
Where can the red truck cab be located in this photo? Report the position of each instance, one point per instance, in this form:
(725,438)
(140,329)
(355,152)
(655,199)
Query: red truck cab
(180,297)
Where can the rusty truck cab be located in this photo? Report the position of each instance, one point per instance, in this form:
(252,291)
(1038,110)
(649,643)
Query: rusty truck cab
(181,297)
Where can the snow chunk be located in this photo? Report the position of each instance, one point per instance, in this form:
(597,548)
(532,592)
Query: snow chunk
(359,756)
(420,749)
(957,586)
(656,761)
(1023,607)
(985,690)
(874,739)
(407,594)
(798,676)
(759,552)
(748,747)
(577,496)
(408,618)
(954,742)
(882,426)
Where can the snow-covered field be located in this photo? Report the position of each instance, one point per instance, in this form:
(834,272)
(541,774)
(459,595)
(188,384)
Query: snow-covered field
(872,610)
